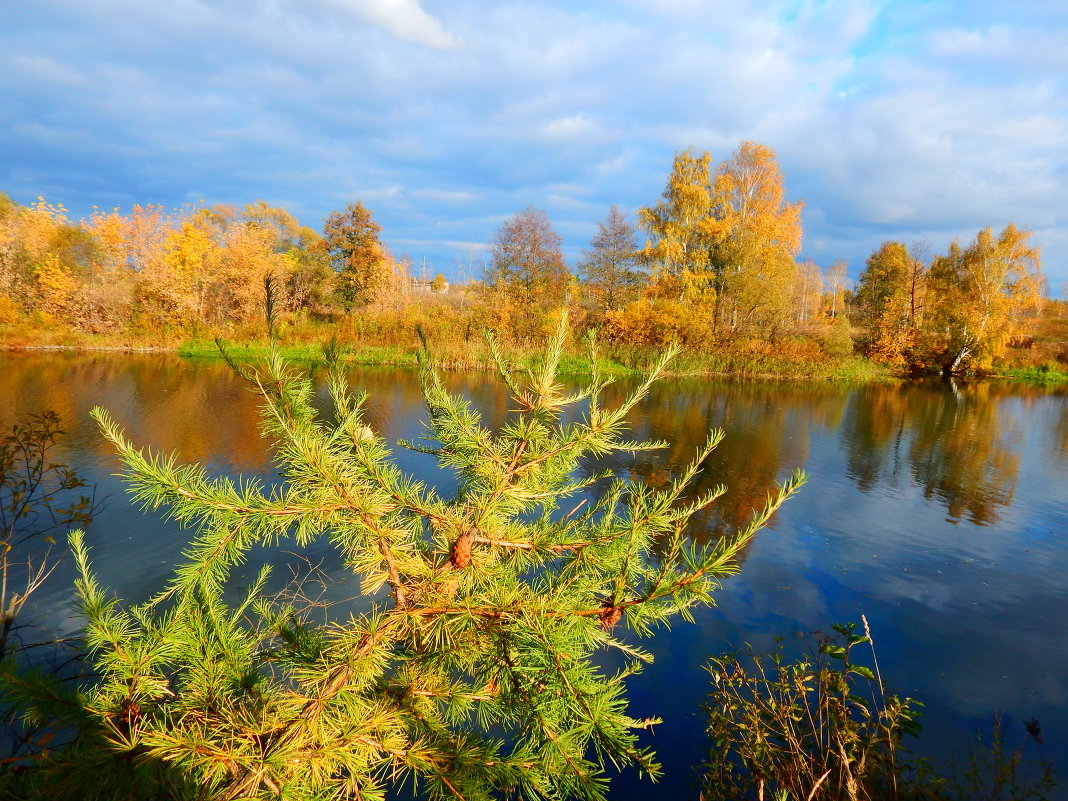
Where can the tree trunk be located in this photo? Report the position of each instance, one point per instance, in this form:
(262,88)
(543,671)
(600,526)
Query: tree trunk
(951,366)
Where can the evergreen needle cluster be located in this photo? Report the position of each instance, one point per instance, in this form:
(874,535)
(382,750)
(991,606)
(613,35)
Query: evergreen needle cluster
(476,673)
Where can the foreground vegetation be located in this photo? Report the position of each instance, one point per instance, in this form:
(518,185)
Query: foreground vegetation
(824,727)
(717,274)
(473,674)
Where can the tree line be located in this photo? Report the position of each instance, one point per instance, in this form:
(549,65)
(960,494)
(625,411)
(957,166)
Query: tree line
(713,263)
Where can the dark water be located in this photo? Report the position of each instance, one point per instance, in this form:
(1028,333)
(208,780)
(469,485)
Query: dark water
(940,513)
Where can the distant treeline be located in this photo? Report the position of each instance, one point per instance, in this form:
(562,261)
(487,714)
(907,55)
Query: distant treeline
(716,270)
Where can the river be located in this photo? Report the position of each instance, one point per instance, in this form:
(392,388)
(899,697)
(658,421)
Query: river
(940,512)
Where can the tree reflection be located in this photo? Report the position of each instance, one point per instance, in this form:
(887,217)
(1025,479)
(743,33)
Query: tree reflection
(961,452)
(200,411)
(1061,431)
(871,434)
(959,443)
(952,440)
(767,436)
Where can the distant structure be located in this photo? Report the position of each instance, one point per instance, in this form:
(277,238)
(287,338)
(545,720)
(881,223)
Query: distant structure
(439,286)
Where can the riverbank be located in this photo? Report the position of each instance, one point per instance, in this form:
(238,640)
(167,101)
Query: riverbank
(787,359)
(743,363)
(790,358)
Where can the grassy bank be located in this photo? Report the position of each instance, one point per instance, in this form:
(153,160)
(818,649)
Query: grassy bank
(721,362)
(790,359)
(1041,373)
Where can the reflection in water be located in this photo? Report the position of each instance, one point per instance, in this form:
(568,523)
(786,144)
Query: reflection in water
(200,411)
(954,440)
(962,452)
(1062,432)
(868,534)
(767,434)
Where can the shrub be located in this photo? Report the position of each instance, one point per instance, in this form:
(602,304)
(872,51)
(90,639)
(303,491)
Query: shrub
(817,728)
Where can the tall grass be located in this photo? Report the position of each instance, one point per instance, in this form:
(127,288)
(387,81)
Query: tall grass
(393,337)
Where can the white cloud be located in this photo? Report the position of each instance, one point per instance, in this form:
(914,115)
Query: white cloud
(405,19)
(574,126)
(888,119)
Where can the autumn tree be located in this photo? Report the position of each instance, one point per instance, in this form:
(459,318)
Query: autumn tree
(757,237)
(610,268)
(153,269)
(112,289)
(46,261)
(308,272)
(526,274)
(283,227)
(681,229)
(157,300)
(726,241)
(884,283)
(834,284)
(808,292)
(977,298)
(304,271)
(889,302)
(252,253)
(356,254)
(677,301)
(186,291)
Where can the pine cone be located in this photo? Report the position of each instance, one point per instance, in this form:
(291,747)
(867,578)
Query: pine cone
(610,615)
(461,551)
(129,714)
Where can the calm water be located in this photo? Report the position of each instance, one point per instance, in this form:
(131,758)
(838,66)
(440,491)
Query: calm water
(941,513)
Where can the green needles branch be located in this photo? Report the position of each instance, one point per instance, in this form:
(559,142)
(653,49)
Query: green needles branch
(474,674)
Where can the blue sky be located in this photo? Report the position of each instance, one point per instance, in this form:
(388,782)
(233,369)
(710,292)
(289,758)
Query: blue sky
(892,120)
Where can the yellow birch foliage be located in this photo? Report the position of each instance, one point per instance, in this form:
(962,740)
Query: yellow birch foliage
(758,238)
(43,279)
(109,229)
(978,298)
(680,227)
(247,259)
(55,285)
(38,225)
(183,288)
(726,242)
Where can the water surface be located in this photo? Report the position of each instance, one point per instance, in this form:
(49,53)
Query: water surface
(940,512)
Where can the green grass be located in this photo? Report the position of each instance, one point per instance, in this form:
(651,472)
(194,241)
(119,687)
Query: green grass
(579,364)
(248,351)
(1043,373)
(621,361)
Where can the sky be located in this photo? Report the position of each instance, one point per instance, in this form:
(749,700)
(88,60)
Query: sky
(904,120)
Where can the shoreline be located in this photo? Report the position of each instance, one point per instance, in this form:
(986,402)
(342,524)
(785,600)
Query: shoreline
(393,356)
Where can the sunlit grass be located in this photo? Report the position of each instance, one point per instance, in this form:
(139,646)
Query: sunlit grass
(374,343)
(1041,373)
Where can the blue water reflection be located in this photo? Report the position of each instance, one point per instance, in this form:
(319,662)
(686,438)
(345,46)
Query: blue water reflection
(939,512)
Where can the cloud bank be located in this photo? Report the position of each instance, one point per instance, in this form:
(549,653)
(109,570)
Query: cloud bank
(891,120)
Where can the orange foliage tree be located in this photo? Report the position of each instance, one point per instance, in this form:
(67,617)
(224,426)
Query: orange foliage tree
(889,302)
(758,238)
(360,262)
(725,243)
(978,297)
(526,276)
